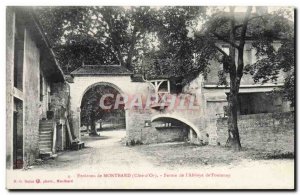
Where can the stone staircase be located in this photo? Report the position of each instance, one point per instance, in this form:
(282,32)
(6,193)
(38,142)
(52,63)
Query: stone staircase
(46,128)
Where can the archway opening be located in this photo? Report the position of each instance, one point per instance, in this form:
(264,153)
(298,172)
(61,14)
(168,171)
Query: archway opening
(172,129)
(99,111)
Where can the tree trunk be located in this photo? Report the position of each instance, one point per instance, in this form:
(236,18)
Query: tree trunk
(100,125)
(88,129)
(233,140)
(93,124)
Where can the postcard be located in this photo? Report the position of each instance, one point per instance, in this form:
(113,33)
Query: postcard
(150,97)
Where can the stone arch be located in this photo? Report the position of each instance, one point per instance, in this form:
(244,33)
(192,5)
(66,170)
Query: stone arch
(97,84)
(183,120)
(81,84)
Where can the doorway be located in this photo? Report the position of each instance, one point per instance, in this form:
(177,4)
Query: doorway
(18,134)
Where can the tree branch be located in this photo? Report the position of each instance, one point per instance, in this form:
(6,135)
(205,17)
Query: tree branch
(244,27)
(225,40)
(221,51)
(242,44)
(131,49)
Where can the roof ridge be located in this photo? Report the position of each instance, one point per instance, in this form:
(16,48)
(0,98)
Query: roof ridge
(101,70)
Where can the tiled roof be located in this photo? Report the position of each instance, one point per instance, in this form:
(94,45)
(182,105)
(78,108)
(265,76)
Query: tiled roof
(101,70)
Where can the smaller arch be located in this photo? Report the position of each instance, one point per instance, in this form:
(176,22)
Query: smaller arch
(187,122)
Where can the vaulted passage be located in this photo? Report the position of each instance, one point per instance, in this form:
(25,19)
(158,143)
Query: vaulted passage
(173,129)
(98,110)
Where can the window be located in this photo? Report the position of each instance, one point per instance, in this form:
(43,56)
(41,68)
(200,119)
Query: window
(18,53)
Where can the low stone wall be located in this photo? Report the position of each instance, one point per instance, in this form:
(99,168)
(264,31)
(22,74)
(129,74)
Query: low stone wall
(268,132)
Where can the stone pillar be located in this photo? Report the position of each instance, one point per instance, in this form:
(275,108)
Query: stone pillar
(76,122)
(191,137)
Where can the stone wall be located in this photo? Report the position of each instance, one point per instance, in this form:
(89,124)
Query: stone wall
(59,96)
(59,105)
(10,22)
(31,98)
(268,132)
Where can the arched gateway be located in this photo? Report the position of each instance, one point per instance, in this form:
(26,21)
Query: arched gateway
(119,78)
(89,76)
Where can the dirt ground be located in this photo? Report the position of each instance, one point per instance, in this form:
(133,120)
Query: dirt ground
(108,150)
(168,165)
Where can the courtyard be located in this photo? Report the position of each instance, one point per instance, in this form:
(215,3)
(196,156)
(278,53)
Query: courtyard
(109,150)
(106,160)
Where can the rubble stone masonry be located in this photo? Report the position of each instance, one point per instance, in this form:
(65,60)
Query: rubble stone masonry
(267,132)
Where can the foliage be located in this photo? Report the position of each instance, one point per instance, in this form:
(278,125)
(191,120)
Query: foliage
(97,35)
(176,42)
(280,61)
(175,54)
(233,29)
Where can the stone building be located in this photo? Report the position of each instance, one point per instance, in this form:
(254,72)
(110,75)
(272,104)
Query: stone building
(33,91)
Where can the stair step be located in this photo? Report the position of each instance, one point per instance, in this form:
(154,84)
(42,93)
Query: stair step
(45,132)
(45,135)
(45,140)
(46,122)
(46,127)
(45,145)
(46,149)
